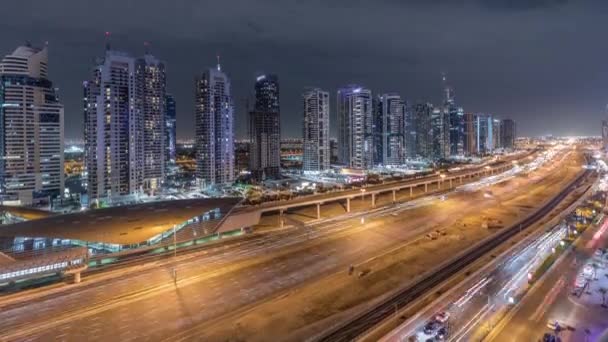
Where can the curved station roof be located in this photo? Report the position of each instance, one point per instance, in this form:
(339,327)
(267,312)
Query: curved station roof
(123,225)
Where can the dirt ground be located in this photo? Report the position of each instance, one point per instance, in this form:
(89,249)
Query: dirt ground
(309,309)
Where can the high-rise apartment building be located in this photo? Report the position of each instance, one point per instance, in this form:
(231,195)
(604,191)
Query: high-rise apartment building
(470,141)
(441,134)
(317,153)
(150,99)
(455,121)
(483,133)
(170,130)
(424,131)
(114,129)
(214,129)
(389,130)
(355,127)
(31,128)
(265,129)
(496,134)
(409,131)
(507,134)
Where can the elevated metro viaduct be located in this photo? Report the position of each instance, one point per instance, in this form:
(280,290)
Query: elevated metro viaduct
(252,214)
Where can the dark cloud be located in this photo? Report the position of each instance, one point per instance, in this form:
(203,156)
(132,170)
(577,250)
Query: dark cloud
(539,62)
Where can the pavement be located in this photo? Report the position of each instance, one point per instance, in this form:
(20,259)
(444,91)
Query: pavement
(552,299)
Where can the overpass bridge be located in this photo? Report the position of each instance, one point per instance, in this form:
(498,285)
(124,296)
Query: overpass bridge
(247,216)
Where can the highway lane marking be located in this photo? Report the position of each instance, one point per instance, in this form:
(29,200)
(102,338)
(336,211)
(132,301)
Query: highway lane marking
(462,332)
(547,300)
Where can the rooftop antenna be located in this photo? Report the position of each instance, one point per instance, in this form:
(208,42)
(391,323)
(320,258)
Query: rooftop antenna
(219,68)
(147,48)
(107,38)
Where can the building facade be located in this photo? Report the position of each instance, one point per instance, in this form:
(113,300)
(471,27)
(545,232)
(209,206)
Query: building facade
(214,129)
(170,130)
(355,127)
(150,81)
(483,134)
(31,128)
(389,130)
(265,129)
(424,131)
(440,123)
(470,141)
(317,153)
(507,134)
(114,139)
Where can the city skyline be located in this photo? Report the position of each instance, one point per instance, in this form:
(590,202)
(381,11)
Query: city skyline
(494,74)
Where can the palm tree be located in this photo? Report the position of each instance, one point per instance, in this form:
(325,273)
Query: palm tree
(603,291)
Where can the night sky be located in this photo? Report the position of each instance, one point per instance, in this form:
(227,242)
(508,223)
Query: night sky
(543,63)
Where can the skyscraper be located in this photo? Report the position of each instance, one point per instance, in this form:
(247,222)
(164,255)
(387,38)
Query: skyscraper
(410,132)
(265,129)
(389,130)
(151,83)
(424,130)
(483,133)
(31,128)
(441,135)
(455,121)
(496,134)
(316,130)
(470,141)
(507,134)
(114,124)
(214,128)
(355,120)
(170,133)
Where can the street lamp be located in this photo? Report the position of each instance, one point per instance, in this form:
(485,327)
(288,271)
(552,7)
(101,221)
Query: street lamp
(362,194)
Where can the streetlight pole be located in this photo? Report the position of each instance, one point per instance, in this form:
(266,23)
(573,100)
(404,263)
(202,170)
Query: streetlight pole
(174,243)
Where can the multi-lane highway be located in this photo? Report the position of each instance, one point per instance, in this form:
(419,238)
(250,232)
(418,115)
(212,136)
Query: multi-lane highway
(553,300)
(216,284)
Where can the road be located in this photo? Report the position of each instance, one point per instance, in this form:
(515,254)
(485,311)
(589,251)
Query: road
(144,302)
(552,299)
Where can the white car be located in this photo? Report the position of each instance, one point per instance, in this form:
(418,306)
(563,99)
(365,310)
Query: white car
(442,316)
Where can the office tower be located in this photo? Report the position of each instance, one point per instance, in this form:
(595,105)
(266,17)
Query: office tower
(316,130)
(265,129)
(455,121)
(441,135)
(150,87)
(170,130)
(31,128)
(470,141)
(424,132)
(496,137)
(389,130)
(507,134)
(214,114)
(114,125)
(410,132)
(355,121)
(483,133)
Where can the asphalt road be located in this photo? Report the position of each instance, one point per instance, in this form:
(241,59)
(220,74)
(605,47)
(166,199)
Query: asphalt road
(144,302)
(552,300)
